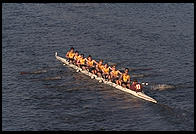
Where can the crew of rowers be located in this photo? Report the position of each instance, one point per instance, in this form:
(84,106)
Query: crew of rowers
(103,70)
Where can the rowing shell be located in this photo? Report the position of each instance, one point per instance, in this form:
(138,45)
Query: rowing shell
(93,76)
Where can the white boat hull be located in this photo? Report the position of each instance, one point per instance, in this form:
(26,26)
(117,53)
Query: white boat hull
(137,94)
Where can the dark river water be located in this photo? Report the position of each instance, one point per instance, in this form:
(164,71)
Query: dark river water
(156,41)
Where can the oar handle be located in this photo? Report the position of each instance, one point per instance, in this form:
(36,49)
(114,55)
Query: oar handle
(145,83)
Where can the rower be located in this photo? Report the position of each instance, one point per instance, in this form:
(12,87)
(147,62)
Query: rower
(76,57)
(70,55)
(105,71)
(91,64)
(125,79)
(114,75)
(81,62)
(136,86)
(99,68)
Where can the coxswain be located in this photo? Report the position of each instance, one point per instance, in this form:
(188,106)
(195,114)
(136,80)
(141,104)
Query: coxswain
(125,79)
(135,86)
(70,55)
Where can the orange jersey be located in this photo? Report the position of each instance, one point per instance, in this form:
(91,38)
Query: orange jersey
(71,55)
(100,66)
(105,70)
(90,63)
(76,57)
(82,61)
(115,73)
(125,77)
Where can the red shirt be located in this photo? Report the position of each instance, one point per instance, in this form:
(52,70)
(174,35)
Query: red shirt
(133,87)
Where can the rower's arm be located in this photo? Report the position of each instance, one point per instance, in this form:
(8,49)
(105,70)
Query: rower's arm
(78,61)
(95,62)
(74,57)
(67,55)
(119,72)
(129,80)
(121,76)
(85,60)
(110,73)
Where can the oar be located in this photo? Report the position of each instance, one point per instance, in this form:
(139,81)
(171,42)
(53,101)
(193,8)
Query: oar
(138,75)
(142,69)
(48,78)
(111,64)
(35,72)
(43,70)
